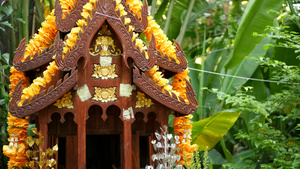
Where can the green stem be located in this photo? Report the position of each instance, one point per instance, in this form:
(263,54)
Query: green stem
(185,22)
(51,5)
(25,16)
(39,10)
(12,31)
(20,16)
(153,6)
(290,3)
(169,15)
(225,150)
(202,77)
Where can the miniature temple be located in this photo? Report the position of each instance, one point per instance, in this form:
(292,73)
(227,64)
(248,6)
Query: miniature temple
(98,90)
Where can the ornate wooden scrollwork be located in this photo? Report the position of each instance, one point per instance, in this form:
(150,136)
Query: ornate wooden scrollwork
(38,59)
(139,26)
(168,99)
(38,102)
(164,61)
(104,11)
(65,25)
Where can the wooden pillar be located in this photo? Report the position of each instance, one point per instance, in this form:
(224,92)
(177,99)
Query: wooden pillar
(127,145)
(127,133)
(136,150)
(81,111)
(43,127)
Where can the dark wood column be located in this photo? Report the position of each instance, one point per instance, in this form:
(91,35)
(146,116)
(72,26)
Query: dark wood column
(43,127)
(127,133)
(81,111)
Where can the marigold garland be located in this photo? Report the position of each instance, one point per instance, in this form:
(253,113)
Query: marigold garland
(16,150)
(183,128)
(43,39)
(67,6)
(179,84)
(39,82)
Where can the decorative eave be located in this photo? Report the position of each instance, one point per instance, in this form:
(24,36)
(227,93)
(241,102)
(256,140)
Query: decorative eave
(104,11)
(167,99)
(42,100)
(65,25)
(139,26)
(38,59)
(165,62)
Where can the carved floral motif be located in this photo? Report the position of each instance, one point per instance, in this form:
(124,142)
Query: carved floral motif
(105,94)
(104,72)
(142,101)
(65,101)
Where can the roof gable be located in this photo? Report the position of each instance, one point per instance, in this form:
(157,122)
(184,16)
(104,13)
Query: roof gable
(127,22)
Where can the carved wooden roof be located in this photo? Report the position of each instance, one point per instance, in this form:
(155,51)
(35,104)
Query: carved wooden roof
(144,60)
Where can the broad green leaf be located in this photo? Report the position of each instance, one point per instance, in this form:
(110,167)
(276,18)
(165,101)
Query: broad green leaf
(6,23)
(216,157)
(208,132)
(6,9)
(296,163)
(244,69)
(3,67)
(5,58)
(255,19)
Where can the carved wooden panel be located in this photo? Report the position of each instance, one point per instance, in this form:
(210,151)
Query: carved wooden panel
(65,25)
(169,100)
(107,10)
(139,26)
(38,59)
(38,102)
(164,61)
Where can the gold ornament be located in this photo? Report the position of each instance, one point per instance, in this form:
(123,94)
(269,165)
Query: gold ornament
(65,101)
(105,45)
(142,101)
(105,94)
(104,72)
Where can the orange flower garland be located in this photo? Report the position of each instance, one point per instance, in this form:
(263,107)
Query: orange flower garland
(183,128)
(16,150)
(179,83)
(67,6)
(43,39)
(163,44)
(34,87)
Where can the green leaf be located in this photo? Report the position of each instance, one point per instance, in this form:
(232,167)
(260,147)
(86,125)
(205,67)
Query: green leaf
(244,69)
(6,9)
(255,19)
(296,163)
(6,23)
(1,16)
(20,20)
(3,67)
(30,132)
(207,133)
(5,58)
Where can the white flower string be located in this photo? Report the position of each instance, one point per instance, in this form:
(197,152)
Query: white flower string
(240,77)
(165,148)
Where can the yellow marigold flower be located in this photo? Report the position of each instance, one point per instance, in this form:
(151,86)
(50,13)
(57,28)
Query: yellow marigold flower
(40,81)
(157,75)
(153,70)
(162,81)
(167,87)
(81,22)
(88,7)
(85,15)
(127,21)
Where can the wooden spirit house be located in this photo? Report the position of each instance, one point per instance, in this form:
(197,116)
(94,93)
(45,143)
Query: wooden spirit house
(103,105)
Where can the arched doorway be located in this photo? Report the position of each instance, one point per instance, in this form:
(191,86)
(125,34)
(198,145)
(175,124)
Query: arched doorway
(103,139)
